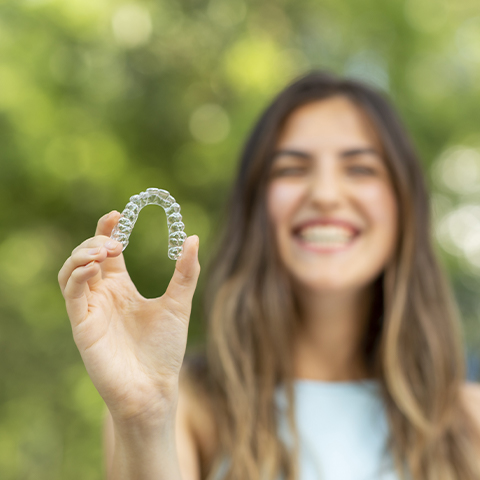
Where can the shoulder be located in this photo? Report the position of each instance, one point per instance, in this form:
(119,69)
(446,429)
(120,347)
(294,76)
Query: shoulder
(470,394)
(195,411)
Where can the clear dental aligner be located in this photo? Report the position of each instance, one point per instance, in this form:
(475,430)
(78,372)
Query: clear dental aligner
(152,196)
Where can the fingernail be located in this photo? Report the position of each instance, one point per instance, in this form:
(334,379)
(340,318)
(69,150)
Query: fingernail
(94,251)
(111,245)
(91,264)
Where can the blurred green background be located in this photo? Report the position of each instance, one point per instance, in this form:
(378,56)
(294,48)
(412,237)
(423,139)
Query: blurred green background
(101,99)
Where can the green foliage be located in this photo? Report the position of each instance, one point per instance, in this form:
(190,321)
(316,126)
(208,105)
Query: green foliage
(101,99)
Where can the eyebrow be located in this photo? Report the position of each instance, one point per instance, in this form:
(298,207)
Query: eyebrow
(359,151)
(293,153)
(345,154)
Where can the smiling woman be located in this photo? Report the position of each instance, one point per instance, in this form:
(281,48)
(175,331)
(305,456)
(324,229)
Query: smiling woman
(326,274)
(333,347)
(331,199)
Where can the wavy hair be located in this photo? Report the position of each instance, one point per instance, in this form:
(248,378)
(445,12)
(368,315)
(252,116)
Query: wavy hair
(413,342)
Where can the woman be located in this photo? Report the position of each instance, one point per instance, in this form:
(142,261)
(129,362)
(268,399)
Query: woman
(333,348)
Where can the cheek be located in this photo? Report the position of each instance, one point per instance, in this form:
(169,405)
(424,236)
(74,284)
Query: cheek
(282,198)
(380,205)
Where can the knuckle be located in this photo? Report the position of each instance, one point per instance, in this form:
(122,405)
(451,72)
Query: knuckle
(81,274)
(101,239)
(78,258)
(76,275)
(78,247)
(104,218)
(184,279)
(173,306)
(96,241)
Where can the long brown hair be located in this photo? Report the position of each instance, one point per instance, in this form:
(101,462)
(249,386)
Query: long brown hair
(413,341)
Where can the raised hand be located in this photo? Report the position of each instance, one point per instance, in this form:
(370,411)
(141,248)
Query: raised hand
(132,347)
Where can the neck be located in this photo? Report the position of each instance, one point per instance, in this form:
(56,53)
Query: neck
(328,344)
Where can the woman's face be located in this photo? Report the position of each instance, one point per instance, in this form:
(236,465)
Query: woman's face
(330,198)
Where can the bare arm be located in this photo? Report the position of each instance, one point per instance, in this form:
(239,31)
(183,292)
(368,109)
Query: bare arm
(471,399)
(141,452)
(187,451)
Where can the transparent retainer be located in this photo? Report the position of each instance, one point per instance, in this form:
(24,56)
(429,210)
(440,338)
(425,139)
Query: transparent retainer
(152,196)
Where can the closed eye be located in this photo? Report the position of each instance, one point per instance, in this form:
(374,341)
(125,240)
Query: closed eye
(361,170)
(288,171)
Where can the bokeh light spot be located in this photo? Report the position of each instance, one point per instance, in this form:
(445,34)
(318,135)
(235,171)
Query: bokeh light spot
(257,63)
(209,123)
(459,233)
(132,25)
(458,168)
(468,39)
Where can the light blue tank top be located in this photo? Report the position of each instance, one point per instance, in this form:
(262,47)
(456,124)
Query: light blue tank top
(343,431)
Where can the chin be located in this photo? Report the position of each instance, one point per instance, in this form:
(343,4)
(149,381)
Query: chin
(332,282)
(327,285)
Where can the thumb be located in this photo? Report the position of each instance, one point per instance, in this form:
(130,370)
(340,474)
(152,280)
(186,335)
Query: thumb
(187,270)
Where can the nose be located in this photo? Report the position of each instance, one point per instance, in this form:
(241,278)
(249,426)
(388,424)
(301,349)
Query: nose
(325,187)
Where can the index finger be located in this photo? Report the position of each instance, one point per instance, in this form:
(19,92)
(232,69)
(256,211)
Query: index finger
(71,264)
(107,222)
(115,262)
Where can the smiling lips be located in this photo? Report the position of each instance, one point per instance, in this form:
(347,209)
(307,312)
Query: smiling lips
(326,234)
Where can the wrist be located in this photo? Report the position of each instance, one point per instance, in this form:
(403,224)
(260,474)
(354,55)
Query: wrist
(148,421)
(143,415)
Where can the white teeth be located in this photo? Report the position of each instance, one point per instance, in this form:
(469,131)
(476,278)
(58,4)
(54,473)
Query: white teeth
(326,235)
